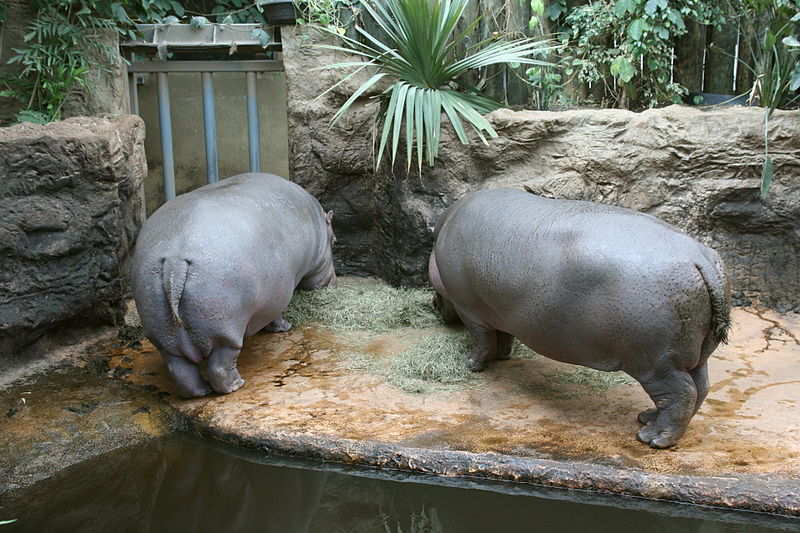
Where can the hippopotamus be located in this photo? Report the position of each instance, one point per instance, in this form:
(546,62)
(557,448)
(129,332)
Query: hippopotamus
(589,284)
(220,263)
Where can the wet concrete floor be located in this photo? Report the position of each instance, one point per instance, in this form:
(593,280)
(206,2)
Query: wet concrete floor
(522,419)
(743,445)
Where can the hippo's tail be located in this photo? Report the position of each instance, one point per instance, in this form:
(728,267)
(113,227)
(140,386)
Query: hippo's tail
(716,280)
(174,274)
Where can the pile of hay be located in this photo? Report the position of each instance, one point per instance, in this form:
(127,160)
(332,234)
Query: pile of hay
(437,360)
(364,305)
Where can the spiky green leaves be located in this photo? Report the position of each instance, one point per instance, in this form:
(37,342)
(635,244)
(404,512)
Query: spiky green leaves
(419,51)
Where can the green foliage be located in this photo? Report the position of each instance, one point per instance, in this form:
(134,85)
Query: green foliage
(632,40)
(55,58)
(417,51)
(548,87)
(325,13)
(238,11)
(775,64)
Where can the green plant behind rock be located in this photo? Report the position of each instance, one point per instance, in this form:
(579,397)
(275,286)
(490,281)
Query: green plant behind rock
(633,41)
(417,51)
(776,67)
(55,60)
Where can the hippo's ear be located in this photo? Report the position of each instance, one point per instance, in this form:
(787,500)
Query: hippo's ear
(329,216)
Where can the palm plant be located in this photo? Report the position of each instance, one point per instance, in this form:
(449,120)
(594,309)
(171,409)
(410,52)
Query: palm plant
(420,53)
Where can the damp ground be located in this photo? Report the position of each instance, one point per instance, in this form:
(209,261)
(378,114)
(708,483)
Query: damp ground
(362,388)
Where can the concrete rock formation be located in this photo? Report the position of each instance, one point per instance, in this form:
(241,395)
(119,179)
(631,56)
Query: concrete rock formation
(70,208)
(697,169)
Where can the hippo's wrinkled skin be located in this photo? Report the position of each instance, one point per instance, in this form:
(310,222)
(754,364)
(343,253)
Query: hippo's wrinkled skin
(588,284)
(220,263)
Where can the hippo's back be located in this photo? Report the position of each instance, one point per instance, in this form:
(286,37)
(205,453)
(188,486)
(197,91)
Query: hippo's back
(580,282)
(222,259)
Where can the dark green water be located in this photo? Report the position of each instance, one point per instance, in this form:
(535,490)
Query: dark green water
(182,484)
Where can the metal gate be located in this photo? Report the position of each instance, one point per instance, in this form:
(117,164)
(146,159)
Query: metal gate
(160,41)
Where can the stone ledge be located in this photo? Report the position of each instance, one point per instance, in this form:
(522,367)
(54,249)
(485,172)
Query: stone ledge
(767,494)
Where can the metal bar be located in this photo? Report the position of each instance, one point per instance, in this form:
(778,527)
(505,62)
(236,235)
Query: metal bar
(210,127)
(133,91)
(165,123)
(252,123)
(207,66)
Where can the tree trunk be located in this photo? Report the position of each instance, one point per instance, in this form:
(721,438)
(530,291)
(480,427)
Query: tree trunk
(518,90)
(493,22)
(689,51)
(720,60)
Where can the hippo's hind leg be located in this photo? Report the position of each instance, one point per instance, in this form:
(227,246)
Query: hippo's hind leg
(445,308)
(186,375)
(222,371)
(505,343)
(484,342)
(278,325)
(675,397)
(700,377)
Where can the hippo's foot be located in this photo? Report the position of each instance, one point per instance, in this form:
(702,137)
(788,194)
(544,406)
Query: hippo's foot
(475,360)
(675,396)
(278,325)
(647,416)
(222,370)
(657,437)
(187,376)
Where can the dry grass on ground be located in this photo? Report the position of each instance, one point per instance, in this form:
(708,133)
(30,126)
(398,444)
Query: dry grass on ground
(359,310)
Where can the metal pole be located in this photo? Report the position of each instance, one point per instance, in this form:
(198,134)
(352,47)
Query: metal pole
(133,91)
(252,123)
(165,123)
(210,127)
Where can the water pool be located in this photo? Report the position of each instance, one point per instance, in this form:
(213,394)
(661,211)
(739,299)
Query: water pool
(180,483)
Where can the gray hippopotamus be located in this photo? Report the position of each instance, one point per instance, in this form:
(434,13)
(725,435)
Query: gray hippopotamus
(588,284)
(220,263)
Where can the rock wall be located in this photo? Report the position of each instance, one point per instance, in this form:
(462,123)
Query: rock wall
(697,169)
(70,208)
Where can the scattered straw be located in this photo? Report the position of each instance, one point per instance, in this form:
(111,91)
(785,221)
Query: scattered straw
(365,305)
(591,379)
(437,359)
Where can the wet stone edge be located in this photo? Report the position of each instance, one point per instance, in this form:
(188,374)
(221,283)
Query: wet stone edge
(763,494)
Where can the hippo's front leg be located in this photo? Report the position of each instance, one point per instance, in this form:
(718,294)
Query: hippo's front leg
(222,371)
(278,325)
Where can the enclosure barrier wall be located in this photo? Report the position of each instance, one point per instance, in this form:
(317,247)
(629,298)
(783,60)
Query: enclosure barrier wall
(206,69)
